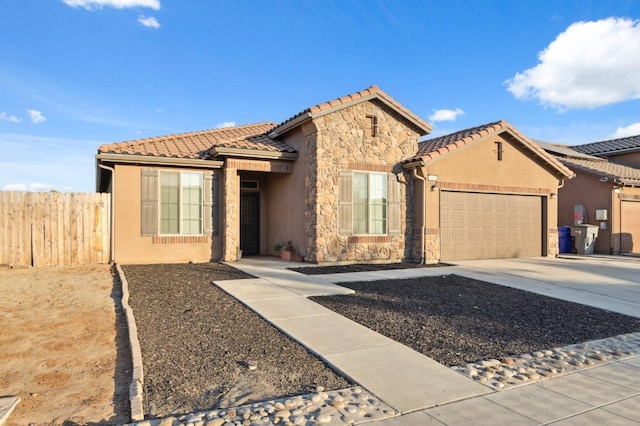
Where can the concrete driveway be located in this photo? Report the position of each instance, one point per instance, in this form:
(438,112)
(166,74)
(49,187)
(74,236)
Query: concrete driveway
(607,282)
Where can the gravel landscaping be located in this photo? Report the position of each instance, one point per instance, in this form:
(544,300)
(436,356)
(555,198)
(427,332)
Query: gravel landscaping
(457,320)
(202,349)
(361,267)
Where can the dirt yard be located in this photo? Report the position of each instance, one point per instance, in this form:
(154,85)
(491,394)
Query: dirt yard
(63,346)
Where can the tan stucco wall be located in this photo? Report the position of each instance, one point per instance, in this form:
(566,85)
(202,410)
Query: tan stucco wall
(283,201)
(475,168)
(129,245)
(343,142)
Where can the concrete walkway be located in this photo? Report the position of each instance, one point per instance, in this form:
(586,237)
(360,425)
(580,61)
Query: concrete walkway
(425,392)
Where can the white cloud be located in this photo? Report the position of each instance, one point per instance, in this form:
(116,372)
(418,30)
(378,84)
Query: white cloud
(36,117)
(31,187)
(446,115)
(118,4)
(149,22)
(624,132)
(589,65)
(225,124)
(7,117)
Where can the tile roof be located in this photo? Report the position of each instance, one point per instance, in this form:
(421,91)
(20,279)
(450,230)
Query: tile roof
(363,95)
(631,143)
(431,149)
(604,168)
(560,150)
(196,145)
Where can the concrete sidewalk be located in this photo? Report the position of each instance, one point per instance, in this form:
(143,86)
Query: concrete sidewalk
(425,392)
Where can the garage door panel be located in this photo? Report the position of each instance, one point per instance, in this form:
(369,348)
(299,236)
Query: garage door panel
(492,226)
(630,222)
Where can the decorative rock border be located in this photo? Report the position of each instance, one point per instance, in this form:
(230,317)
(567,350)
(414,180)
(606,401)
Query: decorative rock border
(135,388)
(515,371)
(342,407)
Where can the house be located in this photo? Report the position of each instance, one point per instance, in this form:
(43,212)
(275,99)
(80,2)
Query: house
(608,191)
(485,192)
(345,180)
(624,151)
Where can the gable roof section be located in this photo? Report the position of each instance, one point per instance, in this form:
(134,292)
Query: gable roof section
(198,145)
(603,168)
(432,149)
(613,146)
(368,94)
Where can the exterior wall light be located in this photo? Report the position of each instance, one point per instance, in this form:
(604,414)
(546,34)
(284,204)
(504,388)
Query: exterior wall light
(552,195)
(434,188)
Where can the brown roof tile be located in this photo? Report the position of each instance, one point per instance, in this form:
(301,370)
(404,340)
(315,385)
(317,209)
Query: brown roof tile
(371,92)
(604,168)
(430,149)
(196,145)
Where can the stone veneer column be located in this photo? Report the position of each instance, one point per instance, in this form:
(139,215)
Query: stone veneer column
(344,142)
(231,218)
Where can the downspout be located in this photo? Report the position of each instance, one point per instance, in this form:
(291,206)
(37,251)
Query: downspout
(112,218)
(424,213)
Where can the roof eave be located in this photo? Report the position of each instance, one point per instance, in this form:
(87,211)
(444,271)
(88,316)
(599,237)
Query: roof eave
(419,162)
(252,153)
(629,182)
(540,152)
(158,161)
(416,121)
(289,125)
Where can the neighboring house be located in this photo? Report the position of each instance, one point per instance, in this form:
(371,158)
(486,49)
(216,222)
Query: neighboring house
(602,185)
(625,151)
(346,180)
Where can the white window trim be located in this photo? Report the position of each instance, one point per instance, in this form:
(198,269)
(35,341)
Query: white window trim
(369,204)
(180,233)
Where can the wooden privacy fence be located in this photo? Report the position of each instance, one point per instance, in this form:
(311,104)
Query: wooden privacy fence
(54,228)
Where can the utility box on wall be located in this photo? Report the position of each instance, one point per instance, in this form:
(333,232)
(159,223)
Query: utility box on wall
(601,214)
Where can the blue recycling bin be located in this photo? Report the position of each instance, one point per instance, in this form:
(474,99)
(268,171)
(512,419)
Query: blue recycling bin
(565,240)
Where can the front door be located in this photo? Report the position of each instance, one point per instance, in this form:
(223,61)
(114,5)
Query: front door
(250,223)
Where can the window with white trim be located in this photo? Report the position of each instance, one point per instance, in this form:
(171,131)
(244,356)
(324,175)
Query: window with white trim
(180,203)
(369,203)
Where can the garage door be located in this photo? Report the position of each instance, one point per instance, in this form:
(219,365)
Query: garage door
(630,226)
(484,226)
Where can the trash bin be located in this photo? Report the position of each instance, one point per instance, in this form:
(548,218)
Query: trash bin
(585,237)
(565,240)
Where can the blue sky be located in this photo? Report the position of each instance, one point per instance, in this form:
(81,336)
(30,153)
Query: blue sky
(75,74)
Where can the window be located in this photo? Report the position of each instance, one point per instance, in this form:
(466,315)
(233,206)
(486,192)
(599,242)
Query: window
(369,203)
(499,150)
(180,203)
(373,125)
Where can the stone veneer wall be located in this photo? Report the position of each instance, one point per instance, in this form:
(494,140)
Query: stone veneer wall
(342,142)
(231,227)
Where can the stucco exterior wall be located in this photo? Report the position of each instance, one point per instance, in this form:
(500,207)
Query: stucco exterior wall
(615,218)
(131,247)
(628,159)
(284,199)
(476,168)
(343,142)
(589,191)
